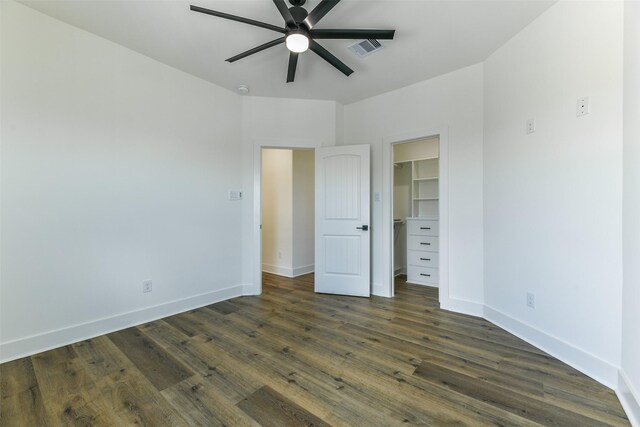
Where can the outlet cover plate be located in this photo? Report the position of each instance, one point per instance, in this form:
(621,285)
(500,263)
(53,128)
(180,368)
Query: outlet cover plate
(531,300)
(147,286)
(582,107)
(531,125)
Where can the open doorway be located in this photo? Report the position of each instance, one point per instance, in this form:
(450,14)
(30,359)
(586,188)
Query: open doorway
(287,199)
(416,211)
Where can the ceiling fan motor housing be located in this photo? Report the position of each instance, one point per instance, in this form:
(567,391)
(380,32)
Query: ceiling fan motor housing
(298,2)
(298,13)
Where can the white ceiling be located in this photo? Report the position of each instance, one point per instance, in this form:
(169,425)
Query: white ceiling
(432,38)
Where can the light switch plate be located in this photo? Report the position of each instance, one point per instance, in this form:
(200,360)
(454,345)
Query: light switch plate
(235,195)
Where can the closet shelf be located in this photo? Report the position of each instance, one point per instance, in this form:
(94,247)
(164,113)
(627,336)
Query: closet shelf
(431,178)
(417,199)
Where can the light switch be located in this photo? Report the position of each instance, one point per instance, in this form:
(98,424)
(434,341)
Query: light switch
(235,195)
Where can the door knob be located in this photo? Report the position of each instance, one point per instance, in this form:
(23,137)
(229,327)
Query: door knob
(363,228)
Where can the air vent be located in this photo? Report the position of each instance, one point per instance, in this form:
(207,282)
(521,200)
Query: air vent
(365,47)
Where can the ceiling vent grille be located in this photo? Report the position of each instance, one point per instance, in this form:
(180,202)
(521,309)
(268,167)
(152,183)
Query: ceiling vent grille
(365,47)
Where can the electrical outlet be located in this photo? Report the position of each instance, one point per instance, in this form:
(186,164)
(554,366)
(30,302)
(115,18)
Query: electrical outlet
(582,107)
(147,286)
(531,300)
(531,125)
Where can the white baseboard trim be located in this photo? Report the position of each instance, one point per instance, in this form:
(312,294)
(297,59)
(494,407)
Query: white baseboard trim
(629,398)
(400,270)
(462,306)
(33,344)
(305,269)
(250,289)
(276,269)
(286,271)
(380,290)
(585,362)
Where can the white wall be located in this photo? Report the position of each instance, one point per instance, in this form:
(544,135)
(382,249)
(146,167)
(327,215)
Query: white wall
(303,211)
(277,212)
(552,199)
(454,102)
(114,170)
(630,381)
(273,122)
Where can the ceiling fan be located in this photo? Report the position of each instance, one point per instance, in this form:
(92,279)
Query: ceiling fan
(300,33)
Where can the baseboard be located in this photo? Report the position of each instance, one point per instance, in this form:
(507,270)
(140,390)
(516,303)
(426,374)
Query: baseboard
(380,290)
(462,306)
(629,398)
(28,346)
(305,269)
(276,269)
(400,270)
(286,271)
(581,360)
(250,289)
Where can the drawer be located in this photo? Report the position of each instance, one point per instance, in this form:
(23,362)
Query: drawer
(422,259)
(422,227)
(422,274)
(422,243)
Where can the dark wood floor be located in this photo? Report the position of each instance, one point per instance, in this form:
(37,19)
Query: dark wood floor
(291,357)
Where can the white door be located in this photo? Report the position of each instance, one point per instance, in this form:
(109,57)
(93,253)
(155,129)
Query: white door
(342,238)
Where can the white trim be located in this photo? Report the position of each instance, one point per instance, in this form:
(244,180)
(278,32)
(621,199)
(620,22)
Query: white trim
(381,290)
(278,270)
(33,344)
(387,206)
(250,289)
(590,365)
(471,308)
(288,271)
(629,398)
(304,269)
(400,270)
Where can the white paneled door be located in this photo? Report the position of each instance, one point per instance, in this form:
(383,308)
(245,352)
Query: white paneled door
(342,238)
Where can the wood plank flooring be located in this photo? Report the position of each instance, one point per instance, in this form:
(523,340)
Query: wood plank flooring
(294,358)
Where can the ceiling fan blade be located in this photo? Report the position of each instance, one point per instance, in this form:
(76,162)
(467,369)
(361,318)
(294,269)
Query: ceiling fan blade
(286,14)
(353,34)
(256,49)
(327,56)
(293,63)
(319,11)
(237,18)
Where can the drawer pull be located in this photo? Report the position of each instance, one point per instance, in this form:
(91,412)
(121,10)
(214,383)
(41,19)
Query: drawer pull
(425,259)
(425,228)
(423,274)
(425,243)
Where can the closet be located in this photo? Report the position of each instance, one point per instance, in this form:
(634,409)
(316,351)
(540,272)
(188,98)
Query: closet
(416,208)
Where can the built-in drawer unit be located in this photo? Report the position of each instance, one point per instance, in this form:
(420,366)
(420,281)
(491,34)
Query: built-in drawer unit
(422,259)
(422,251)
(422,227)
(417,274)
(422,243)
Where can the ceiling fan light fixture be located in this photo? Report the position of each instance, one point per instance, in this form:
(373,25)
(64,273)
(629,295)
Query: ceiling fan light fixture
(297,41)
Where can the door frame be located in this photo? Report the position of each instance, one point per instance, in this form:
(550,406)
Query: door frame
(443,206)
(270,144)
